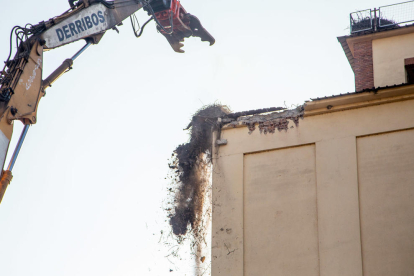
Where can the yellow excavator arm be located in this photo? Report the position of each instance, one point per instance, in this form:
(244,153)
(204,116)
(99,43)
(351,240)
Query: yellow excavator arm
(21,82)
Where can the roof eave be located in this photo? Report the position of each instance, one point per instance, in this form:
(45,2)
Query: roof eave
(347,50)
(360,99)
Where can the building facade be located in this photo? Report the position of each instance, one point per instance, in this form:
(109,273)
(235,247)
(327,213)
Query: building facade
(326,189)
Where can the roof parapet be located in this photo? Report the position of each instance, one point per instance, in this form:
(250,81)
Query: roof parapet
(384,17)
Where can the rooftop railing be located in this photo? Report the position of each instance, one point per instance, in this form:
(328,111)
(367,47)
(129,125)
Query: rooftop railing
(383,17)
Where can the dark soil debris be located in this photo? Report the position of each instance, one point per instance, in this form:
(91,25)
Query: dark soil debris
(192,160)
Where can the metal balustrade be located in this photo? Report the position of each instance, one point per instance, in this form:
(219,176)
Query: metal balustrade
(394,15)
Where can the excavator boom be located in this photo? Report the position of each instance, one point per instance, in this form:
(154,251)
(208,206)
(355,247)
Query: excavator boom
(21,82)
(88,21)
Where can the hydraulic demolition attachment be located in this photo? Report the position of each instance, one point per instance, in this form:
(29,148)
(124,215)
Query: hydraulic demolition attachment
(176,24)
(21,83)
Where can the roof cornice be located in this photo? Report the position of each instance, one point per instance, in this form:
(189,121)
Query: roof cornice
(360,99)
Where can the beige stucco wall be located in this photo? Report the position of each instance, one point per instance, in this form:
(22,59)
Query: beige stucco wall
(386,187)
(280,186)
(333,196)
(388,58)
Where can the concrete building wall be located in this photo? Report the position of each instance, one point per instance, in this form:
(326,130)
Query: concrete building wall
(331,196)
(386,187)
(388,58)
(280,197)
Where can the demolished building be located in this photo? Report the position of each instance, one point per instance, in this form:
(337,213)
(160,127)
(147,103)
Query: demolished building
(326,188)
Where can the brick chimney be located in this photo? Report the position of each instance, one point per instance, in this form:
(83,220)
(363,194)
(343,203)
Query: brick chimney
(363,65)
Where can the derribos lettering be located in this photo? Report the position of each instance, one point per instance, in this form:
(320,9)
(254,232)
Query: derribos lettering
(79,26)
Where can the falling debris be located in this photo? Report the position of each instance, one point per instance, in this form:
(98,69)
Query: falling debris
(190,163)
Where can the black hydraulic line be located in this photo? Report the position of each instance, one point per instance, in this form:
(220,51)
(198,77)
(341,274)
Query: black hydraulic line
(106,4)
(142,28)
(11,42)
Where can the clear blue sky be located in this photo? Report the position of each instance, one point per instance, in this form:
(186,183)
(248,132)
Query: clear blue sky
(88,186)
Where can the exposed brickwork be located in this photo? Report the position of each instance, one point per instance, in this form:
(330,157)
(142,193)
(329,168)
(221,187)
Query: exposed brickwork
(363,66)
(409,61)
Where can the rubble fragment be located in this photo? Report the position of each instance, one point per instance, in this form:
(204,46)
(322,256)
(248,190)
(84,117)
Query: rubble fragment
(267,123)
